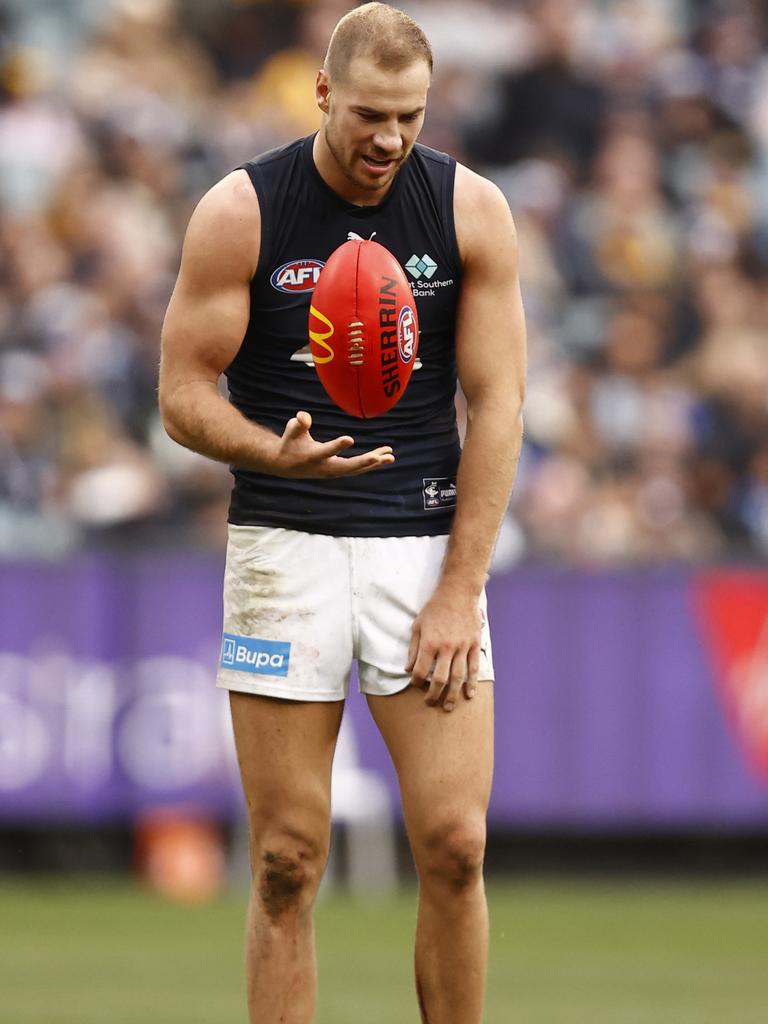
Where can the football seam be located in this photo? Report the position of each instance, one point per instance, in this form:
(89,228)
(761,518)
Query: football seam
(357,318)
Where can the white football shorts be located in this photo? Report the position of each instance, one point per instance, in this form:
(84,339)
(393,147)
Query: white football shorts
(300,607)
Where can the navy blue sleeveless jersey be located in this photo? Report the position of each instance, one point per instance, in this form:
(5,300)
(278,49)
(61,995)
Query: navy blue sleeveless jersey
(272,376)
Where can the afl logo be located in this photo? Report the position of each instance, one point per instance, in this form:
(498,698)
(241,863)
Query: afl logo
(297,276)
(406,334)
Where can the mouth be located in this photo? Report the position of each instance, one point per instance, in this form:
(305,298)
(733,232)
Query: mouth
(378,166)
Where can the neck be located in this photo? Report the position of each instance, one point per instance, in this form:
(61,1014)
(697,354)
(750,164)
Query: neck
(329,170)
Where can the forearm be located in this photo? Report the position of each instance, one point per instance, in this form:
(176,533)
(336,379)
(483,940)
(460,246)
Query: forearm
(197,416)
(486,473)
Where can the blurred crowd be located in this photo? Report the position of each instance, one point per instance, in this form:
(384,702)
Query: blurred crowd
(631,139)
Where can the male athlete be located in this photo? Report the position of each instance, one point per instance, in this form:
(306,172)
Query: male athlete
(353,539)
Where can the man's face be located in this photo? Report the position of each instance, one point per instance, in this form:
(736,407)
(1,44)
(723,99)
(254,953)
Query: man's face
(372,119)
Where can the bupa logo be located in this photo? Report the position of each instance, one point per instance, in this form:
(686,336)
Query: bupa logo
(228,651)
(297,276)
(406,334)
(248,654)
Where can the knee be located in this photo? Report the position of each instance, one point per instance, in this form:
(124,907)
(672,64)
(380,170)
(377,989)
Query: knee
(287,868)
(451,855)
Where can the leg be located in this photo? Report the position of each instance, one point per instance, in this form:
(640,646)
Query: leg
(285,749)
(444,763)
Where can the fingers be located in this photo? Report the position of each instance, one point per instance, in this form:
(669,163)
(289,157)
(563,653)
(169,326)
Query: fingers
(420,661)
(444,652)
(298,428)
(456,678)
(354,465)
(297,425)
(443,676)
(328,449)
(448,677)
(440,677)
(303,456)
(473,668)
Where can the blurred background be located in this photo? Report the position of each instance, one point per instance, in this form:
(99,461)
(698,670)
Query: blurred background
(629,822)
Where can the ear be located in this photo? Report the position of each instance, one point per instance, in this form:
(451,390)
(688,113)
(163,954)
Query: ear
(322,90)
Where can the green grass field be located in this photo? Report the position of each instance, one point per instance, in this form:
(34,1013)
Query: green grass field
(562,953)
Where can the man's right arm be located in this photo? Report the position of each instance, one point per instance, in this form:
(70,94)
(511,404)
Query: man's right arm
(203,330)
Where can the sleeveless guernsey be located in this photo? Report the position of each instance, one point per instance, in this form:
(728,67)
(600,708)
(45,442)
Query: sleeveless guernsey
(272,376)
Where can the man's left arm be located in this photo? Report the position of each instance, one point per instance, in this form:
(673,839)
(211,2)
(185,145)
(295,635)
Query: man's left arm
(490,356)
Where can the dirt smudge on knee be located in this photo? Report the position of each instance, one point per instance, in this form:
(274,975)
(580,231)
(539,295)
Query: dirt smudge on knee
(282,879)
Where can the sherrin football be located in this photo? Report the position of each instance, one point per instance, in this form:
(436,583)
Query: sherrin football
(363,328)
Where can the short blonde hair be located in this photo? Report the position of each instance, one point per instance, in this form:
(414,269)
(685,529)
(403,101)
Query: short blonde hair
(388,35)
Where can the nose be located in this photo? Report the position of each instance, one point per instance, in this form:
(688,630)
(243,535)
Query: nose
(387,139)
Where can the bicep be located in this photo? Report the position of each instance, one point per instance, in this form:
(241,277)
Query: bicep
(208,312)
(490,326)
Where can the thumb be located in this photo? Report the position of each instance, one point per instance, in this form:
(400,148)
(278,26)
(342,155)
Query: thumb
(298,425)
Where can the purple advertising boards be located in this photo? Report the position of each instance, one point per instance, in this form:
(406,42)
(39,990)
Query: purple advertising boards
(632,699)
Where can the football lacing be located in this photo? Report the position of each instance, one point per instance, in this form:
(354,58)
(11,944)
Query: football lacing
(356,343)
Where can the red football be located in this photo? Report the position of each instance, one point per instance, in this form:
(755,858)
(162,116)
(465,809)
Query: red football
(363,328)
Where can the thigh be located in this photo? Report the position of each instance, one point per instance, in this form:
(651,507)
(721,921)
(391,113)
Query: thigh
(394,579)
(444,762)
(285,752)
(287,615)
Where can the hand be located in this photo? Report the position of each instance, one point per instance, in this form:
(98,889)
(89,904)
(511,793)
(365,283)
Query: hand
(299,455)
(444,654)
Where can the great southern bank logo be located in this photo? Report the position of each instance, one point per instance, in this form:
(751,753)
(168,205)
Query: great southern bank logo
(247,654)
(297,276)
(421,266)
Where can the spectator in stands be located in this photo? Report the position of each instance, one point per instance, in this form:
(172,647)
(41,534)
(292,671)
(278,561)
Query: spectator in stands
(631,141)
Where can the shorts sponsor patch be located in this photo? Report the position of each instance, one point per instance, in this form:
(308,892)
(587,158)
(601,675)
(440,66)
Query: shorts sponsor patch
(249,654)
(439,492)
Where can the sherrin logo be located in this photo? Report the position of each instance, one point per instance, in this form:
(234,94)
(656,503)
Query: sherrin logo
(297,276)
(406,334)
(319,339)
